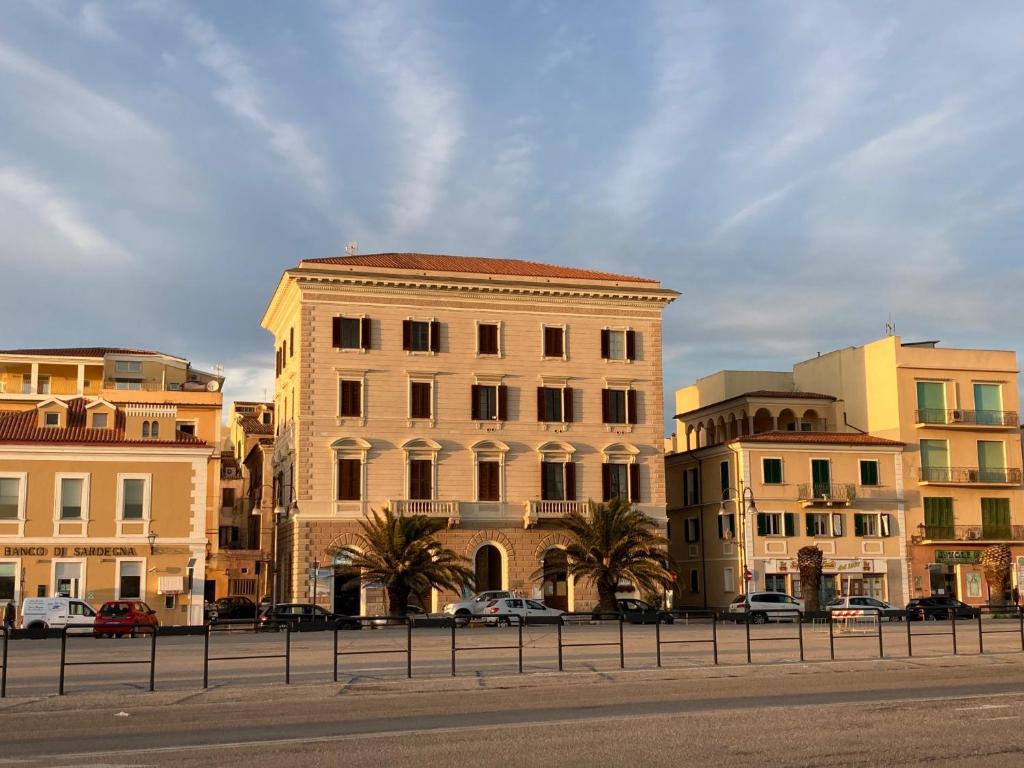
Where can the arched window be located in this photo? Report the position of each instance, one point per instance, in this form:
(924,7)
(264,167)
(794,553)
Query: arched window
(557,472)
(421,468)
(350,459)
(489,469)
(620,474)
(154,430)
(145,429)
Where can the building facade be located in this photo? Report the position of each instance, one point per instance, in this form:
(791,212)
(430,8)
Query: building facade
(109,412)
(494,394)
(956,476)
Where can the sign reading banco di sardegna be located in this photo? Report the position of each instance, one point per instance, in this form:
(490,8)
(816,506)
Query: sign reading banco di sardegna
(68,551)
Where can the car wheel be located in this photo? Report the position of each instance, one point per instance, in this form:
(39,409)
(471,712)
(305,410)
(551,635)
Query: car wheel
(759,618)
(670,620)
(504,622)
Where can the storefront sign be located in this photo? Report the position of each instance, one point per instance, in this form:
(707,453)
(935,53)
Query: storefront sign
(958,556)
(828,565)
(68,551)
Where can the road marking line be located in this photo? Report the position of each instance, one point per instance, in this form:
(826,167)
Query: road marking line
(983,706)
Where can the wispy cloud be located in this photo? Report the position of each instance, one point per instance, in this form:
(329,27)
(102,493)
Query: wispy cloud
(424,103)
(243,94)
(92,19)
(59,214)
(686,87)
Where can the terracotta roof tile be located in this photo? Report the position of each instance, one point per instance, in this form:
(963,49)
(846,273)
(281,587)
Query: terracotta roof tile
(817,438)
(20,427)
(80,352)
(253,426)
(427,262)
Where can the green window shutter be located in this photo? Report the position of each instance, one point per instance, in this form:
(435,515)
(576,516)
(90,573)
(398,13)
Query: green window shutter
(931,396)
(934,453)
(995,518)
(809,520)
(938,517)
(869,473)
(790,521)
(988,403)
(762,524)
(858,525)
(772,469)
(991,454)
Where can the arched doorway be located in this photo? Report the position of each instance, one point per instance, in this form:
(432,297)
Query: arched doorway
(488,568)
(555,587)
(347,584)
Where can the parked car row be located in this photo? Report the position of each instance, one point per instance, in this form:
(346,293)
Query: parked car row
(778,606)
(115,618)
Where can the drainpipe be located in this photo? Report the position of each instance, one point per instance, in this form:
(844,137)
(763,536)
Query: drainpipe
(847,423)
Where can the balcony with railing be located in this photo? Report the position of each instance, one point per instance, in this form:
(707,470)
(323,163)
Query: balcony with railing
(978,533)
(551,509)
(931,417)
(827,494)
(428,507)
(969,476)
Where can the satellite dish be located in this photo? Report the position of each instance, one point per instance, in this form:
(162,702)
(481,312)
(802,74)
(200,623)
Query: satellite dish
(212,386)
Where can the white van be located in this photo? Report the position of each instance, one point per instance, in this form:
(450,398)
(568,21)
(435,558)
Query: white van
(55,613)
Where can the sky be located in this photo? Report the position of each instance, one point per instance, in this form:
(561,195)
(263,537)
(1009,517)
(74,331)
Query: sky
(803,172)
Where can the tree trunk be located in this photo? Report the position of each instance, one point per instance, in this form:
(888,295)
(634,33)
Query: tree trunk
(606,597)
(398,599)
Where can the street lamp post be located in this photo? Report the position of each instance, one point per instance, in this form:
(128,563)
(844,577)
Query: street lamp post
(745,496)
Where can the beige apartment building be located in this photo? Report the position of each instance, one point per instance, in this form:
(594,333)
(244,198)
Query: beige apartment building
(494,394)
(942,425)
(108,412)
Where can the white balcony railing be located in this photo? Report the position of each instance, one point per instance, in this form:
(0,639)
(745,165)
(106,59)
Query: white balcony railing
(547,509)
(428,507)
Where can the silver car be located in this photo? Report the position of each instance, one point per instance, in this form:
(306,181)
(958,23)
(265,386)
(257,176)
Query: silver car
(768,606)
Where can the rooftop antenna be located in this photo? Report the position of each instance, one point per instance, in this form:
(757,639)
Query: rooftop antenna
(351,248)
(890,327)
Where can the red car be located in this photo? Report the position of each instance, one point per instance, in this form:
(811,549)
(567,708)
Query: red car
(125,617)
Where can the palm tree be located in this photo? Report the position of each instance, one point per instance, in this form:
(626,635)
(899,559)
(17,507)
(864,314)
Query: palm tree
(809,560)
(615,543)
(404,554)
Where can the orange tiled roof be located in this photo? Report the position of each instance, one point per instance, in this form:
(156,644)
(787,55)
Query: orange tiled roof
(21,427)
(816,438)
(253,426)
(427,262)
(79,351)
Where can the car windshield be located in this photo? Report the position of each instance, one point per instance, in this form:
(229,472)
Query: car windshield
(115,611)
(836,601)
(739,599)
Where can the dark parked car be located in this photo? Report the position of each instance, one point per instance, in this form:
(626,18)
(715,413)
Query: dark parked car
(117,618)
(939,607)
(639,612)
(305,617)
(232,608)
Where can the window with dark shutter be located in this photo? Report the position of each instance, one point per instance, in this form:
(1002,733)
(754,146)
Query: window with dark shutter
(349,485)
(351,398)
(489,402)
(552,481)
(474,399)
(346,333)
(407,335)
(634,483)
(419,400)
(487,339)
(502,403)
(604,344)
(549,404)
(291,342)
(417,336)
(614,406)
(570,481)
(365,333)
(435,336)
(606,482)
(335,332)
(631,345)
(631,411)
(554,342)
(420,472)
(487,477)
(567,414)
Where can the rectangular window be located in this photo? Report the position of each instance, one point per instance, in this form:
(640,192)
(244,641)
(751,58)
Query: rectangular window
(552,481)
(821,477)
(770,524)
(818,524)
(68,579)
(130,581)
(691,489)
(418,336)
(692,530)
(723,475)
(26,383)
(938,517)
(991,461)
(350,479)
(866,525)
(99,421)
(128,366)
(869,472)
(189,428)
(995,518)
(10,495)
(554,342)
(727,527)
(728,580)
(935,461)
(487,339)
(8,573)
(51,419)
(772,469)
(351,398)
(775,582)
(127,385)
(694,581)
(988,403)
(133,494)
(617,486)
(348,333)
(44,385)
(420,399)
(228,536)
(421,479)
(931,402)
(549,404)
(71,498)
(615,406)
(488,473)
(616,345)
(486,402)
(227,497)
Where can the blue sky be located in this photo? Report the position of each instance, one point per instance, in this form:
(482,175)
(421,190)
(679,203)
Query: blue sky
(800,171)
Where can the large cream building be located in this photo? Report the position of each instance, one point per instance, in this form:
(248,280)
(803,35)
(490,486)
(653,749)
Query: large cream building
(109,481)
(494,394)
(923,438)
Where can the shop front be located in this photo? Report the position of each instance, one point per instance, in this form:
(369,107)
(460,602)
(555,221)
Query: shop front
(938,570)
(840,577)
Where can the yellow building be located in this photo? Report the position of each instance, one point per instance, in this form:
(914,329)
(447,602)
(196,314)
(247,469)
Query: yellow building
(163,394)
(953,459)
(495,394)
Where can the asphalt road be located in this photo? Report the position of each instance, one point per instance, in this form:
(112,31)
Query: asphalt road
(963,711)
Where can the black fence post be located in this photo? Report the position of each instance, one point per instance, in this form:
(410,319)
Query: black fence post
(63,658)
(453,646)
(520,624)
(748,634)
(981,636)
(288,653)
(560,669)
(3,671)
(622,646)
(657,640)
(335,651)
(800,632)
(1020,617)
(831,639)
(881,647)
(152,661)
(408,648)
(714,635)
(910,645)
(206,656)
(952,613)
